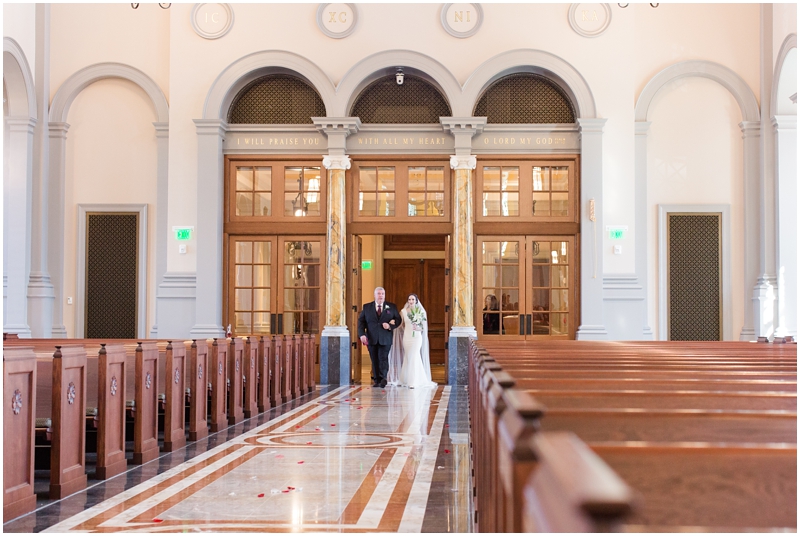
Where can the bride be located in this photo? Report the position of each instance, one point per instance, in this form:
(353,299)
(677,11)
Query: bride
(409,357)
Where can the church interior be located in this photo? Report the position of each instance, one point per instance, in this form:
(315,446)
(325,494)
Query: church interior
(583,217)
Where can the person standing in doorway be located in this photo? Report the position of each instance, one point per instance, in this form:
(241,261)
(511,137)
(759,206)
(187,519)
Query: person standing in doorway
(375,325)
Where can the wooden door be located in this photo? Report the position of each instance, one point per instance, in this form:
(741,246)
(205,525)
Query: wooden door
(355,306)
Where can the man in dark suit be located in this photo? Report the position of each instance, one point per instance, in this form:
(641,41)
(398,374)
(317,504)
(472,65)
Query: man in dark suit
(375,325)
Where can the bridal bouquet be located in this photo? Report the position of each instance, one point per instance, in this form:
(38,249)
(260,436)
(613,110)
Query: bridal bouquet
(417,317)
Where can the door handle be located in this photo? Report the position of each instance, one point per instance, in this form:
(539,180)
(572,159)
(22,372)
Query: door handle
(529,322)
(446,308)
(280,323)
(355,308)
(273,326)
(522,324)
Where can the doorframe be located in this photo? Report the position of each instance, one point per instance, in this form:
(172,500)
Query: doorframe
(141,276)
(661,263)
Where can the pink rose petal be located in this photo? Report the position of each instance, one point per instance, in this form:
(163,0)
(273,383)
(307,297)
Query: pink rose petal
(308,443)
(300,462)
(279,455)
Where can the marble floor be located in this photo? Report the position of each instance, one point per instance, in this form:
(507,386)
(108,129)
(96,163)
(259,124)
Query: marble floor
(347,459)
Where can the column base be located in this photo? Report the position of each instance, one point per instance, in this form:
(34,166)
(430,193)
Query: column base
(334,356)
(747,334)
(458,354)
(763,308)
(59,331)
(591,333)
(207,331)
(41,299)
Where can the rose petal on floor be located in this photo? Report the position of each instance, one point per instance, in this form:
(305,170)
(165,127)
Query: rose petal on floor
(157,520)
(300,462)
(260,494)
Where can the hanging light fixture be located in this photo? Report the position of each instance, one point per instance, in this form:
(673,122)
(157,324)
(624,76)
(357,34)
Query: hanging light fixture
(299,204)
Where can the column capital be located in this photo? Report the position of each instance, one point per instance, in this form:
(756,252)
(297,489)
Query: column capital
(162,129)
(336,161)
(750,128)
(210,127)
(337,125)
(57,129)
(21,124)
(641,127)
(463,161)
(463,125)
(592,126)
(784,122)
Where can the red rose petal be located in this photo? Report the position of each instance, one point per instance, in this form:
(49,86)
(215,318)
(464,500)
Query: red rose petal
(157,520)
(446,451)
(447,426)
(333,425)
(289,487)
(308,443)
(298,426)
(285,491)
(260,494)
(299,462)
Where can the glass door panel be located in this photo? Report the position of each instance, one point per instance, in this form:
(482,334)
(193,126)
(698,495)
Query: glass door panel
(551,291)
(302,282)
(499,286)
(251,285)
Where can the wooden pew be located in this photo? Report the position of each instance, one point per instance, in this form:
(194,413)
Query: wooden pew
(198,381)
(217,379)
(19,390)
(312,361)
(277,396)
(250,381)
(264,373)
(298,366)
(175,381)
(112,373)
(145,434)
(235,373)
(286,369)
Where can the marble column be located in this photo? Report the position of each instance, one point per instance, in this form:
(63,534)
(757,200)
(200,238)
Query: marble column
(208,301)
(592,325)
(40,289)
(55,223)
(760,310)
(334,348)
(640,221)
(786,203)
(17,178)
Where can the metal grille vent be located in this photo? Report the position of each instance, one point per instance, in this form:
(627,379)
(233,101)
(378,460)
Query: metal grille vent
(416,101)
(695,277)
(525,98)
(276,99)
(111,276)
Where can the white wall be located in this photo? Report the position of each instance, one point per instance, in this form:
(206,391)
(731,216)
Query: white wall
(695,157)
(19,23)
(111,158)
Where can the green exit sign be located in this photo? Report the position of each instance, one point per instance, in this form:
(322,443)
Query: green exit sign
(616,233)
(183,233)
(366,265)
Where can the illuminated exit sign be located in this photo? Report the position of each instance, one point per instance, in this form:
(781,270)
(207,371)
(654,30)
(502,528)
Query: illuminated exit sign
(366,265)
(616,232)
(183,233)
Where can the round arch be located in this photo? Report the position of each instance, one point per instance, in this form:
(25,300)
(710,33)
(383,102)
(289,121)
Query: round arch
(248,68)
(76,83)
(788,44)
(706,69)
(18,80)
(534,61)
(384,63)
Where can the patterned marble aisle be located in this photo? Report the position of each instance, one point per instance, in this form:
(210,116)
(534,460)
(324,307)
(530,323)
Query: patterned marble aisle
(356,459)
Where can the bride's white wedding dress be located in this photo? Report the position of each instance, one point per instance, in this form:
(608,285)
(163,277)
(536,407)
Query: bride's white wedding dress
(409,359)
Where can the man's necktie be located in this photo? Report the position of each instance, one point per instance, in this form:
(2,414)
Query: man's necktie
(380,309)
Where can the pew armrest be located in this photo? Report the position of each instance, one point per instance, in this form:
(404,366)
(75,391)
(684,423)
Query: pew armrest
(573,489)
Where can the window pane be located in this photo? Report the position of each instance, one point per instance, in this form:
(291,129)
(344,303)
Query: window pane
(560,204)
(290,201)
(244,275)
(385,204)
(491,179)
(541,204)
(509,250)
(264,179)
(540,300)
(416,179)
(559,253)
(244,204)
(261,299)
(510,204)
(541,322)
(244,179)
(367,179)
(560,274)
(510,276)
(261,275)
(509,300)
(558,300)
(491,252)
(242,323)
(244,252)
(386,179)
(559,324)
(491,204)
(263,204)
(302,251)
(262,252)
(436,204)
(368,204)
(491,276)
(559,176)
(541,252)
(491,323)
(300,299)
(311,179)
(301,275)
(436,179)
(291,179)
(242,299)
(540,179)
(416,203)
(540,275)
(311,322)
(313,205)
(261,323)
(510,179)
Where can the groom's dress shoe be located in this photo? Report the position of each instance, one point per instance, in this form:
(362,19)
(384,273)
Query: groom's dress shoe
(383,383)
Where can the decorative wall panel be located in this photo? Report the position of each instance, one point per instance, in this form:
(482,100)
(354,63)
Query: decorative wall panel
(525,98)
(276,99)
(415,101)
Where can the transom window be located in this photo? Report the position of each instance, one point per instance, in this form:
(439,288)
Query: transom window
(527,190)
(402,191)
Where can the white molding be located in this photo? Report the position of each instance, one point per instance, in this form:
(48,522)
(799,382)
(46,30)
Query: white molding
(580,31)
(705,69)
(18,81)
(334,35)
(788,44)
(59,109)
(80,274)
(727,296)
(252,66)
(557,69)
(335,331)
(455,33)
(336,161)
(463,161)
(202,33)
